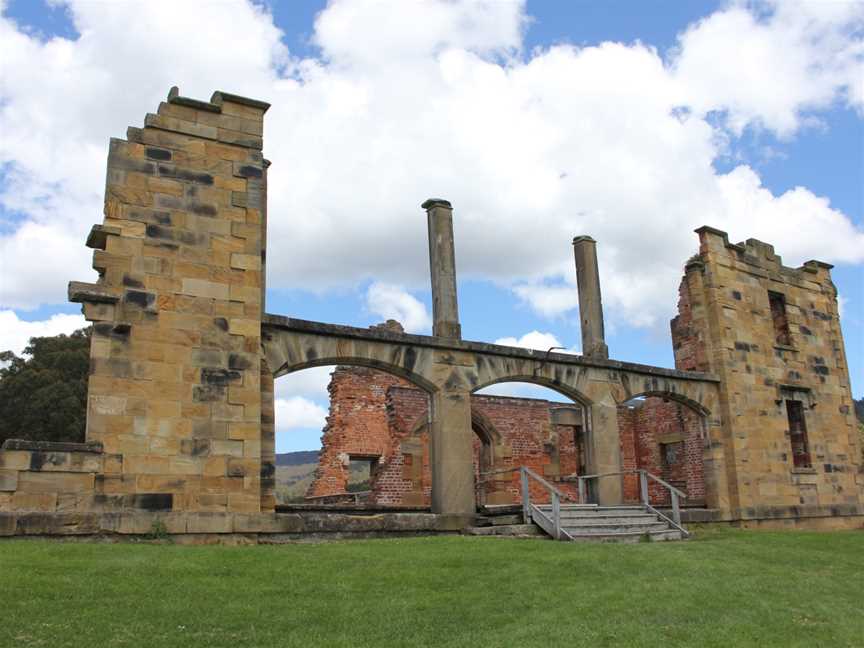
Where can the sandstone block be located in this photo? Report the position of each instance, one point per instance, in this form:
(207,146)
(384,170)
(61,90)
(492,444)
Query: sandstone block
(8,480)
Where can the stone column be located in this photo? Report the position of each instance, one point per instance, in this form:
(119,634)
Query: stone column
(604,445)
(442,265)
(452,454)
(590,303)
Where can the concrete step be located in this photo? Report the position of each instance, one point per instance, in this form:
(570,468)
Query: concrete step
(603,529)
(496,520)
(506,530)
(634,517)
(596,510)
(628,537)
(608,519)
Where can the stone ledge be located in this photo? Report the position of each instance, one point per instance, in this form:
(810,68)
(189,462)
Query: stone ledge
(98,237)
(82,293)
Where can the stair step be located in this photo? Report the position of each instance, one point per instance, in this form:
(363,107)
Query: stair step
(627,537)
(609,520)
(506,530)
(574,515)
(601,529)
(594,508)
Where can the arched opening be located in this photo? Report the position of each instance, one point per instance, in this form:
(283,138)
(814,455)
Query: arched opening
(664,434)
(340,436)
(539,426)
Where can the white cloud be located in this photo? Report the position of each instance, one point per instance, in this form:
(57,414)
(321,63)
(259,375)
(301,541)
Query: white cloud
(297,412)
(437,98)
(394,302)
(773,69)
(547,300)
(311,383)
(15,333)
(536,340)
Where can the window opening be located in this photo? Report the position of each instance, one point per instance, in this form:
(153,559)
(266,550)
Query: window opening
(778,315)
(798,434)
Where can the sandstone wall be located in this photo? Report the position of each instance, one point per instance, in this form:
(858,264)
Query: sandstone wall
(726,326)
(174,400)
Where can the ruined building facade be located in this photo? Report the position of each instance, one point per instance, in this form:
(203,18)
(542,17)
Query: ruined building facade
(381,420)
(772,333)
(180,424)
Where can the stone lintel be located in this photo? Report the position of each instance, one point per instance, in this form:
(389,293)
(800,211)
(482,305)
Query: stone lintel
(379,335)
(94,447)
(81,293)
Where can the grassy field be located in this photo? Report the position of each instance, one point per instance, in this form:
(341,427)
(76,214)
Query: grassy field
(723,588)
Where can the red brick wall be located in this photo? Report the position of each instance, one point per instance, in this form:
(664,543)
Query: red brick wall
(376,414)
(644,427)
(356,425)
(690,349)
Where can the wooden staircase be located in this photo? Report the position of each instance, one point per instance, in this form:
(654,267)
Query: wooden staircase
(578,522)
(592,523)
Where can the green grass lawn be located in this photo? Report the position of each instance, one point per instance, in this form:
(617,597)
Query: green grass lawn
(723,588)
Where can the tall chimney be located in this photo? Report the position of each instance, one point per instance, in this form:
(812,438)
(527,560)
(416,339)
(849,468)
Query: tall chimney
(590,303)
(442,265)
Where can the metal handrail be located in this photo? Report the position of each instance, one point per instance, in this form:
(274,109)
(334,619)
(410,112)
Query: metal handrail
(528,508)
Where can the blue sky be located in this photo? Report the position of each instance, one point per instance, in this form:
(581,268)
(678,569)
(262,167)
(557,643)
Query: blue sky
(351,72)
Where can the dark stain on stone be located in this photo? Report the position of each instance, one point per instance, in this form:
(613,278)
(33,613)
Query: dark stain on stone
(140,298)
(185,174)
(208,393)
(742,346)
(221,323)
(238,361)
(453,381)
(153,501)
(212,376)
(248,171)
(268,470)
(409,358)
(157,232)
(132,282)
(805,330)
(736,295)
(37,460)
(202,209)
(311,353)
(158,154)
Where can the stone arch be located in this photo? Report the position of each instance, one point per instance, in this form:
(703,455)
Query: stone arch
(694,405)
(372,363)
(570,392)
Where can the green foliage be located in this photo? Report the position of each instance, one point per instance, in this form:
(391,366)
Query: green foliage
(730,588)
(158,531)
(43,394)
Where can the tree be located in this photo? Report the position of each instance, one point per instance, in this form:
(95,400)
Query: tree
(43,394)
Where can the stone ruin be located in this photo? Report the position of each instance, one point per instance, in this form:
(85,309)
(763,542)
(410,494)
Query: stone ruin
(180,429)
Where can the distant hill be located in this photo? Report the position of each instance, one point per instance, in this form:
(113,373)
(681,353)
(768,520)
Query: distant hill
(297,458)
(859,409)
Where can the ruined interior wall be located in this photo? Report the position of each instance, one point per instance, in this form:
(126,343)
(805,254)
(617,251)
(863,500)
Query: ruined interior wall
(174,392)
(726,326)
(376,414)
(357,425)
(644,428)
